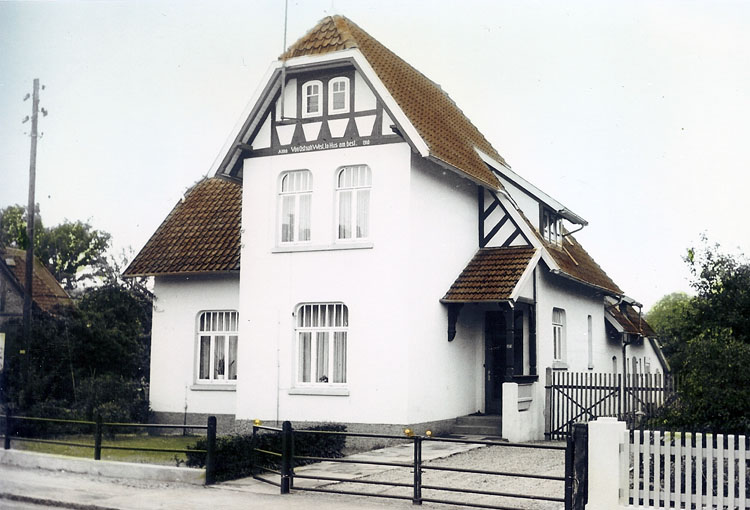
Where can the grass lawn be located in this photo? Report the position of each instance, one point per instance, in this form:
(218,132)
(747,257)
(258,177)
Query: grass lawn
(171,442)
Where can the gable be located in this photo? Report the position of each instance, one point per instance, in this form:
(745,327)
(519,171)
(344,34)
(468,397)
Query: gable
(421,111)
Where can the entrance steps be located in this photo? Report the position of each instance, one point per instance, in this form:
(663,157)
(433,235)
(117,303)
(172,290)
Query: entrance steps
(478,425)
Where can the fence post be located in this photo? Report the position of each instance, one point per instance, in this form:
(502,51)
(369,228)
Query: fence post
(8,427)
(417,499)
(605,439)
(286,457)
(569,475)
(580,466)
(211,451)
(548,403)
(98,438)
(253,453)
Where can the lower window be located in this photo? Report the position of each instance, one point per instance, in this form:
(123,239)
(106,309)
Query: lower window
(321,335)
(217,346)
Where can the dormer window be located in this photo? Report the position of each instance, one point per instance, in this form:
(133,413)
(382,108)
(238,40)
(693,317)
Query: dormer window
(338,95)
(551,227)
(312,99)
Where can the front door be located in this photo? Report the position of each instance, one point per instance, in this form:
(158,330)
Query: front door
(494,361)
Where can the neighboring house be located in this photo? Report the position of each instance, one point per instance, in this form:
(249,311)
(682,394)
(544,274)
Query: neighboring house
(391,269)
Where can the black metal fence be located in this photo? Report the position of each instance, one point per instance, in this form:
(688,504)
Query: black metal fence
(99,427)
(288,461)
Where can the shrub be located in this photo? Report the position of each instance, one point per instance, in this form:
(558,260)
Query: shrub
(234,453)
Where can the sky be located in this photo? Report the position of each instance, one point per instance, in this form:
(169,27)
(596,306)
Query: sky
(632,114)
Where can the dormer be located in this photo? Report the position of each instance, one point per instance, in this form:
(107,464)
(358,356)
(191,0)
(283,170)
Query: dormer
(550,225)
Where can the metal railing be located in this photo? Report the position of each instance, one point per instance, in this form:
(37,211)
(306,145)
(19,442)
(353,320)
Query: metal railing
(288,462)
(99,426)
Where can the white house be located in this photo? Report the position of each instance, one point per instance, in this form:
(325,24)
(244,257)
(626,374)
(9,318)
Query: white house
(390,270)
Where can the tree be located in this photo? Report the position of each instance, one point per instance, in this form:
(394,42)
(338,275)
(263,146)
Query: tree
(66,249)
(709,335)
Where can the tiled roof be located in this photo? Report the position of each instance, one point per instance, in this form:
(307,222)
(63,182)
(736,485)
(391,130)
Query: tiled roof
(576,262)
(449,134)
(46,291)
(631,320)
(491,275)
(201,234)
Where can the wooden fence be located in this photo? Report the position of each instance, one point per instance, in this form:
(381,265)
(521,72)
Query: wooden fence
(583,396)
(684,470)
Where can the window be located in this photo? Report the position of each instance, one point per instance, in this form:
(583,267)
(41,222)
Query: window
(353,198)
(217,346)
(590,338)
(321,343)
(338,95)
(551,227)
(295,197)
(312,99)
(558,334)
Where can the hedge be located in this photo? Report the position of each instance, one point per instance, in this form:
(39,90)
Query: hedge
(234,453)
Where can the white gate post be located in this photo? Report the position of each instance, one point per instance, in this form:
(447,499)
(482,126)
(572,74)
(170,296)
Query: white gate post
(605,435)
(511,416)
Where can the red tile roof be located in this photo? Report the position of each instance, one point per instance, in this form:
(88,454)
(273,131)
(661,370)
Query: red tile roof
(491,275)
(576,262)
(448,133)
(46,291)
(631,321)
(200,235)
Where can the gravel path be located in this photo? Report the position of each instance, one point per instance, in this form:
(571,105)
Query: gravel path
(491,458)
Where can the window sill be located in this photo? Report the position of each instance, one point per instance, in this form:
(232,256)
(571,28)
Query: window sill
(213,387)
(331,392)
(356,245)
(559,365)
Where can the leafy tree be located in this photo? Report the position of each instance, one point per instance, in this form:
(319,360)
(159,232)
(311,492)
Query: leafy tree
(710,339)
(66,249)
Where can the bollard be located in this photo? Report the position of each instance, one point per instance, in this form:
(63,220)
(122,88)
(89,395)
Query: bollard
(417,499)
(98,438)
(286,457)
(211,451)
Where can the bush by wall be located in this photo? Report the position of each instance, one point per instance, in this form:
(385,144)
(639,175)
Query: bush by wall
(235,458)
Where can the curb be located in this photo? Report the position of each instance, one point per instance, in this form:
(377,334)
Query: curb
(54,503)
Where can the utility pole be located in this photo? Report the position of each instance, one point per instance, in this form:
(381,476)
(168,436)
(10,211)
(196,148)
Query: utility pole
(30,213)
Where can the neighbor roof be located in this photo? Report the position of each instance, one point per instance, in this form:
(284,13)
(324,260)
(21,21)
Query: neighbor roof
(201,234)
(46,291)
(448,133)
(491,275)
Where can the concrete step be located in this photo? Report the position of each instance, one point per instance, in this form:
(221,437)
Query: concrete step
(484,420)
(476,430)
(481,425)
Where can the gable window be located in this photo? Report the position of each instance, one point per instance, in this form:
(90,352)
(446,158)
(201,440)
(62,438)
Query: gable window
(312,99)
(551,227)
(558,335)
(321,334)
(338,95)
(295,198)
(217,346)
(353,198)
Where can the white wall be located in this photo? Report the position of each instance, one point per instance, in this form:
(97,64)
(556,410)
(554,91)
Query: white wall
(372,280)
(443,237)
(179,301)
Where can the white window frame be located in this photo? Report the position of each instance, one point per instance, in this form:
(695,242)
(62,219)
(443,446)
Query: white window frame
(358,189)
(551,227)
(590,340)
(299,194)
(331,95)
(220,328)
(306,99)
(324,327)
(558,338)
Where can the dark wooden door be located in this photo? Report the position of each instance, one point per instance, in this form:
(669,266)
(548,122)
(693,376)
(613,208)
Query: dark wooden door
(494,361)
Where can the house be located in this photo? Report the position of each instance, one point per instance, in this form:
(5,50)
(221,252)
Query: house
(47,293)
(362,254)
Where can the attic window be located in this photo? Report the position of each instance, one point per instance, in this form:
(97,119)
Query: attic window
(551,227)
(312,98)
(338,95)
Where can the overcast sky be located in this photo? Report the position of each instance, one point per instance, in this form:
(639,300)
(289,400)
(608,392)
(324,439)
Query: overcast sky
(632,114)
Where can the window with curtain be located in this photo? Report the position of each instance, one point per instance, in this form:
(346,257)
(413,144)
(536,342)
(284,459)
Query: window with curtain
(338,95)
(353,185)
(558,334)
(295,199)
(217,346)
(321,331)
(312,99)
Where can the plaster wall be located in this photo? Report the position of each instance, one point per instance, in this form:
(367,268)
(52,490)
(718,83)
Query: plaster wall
(443,238)
(174,344)
(370,278)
